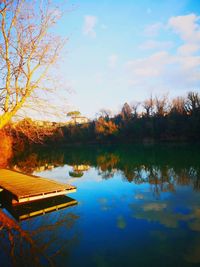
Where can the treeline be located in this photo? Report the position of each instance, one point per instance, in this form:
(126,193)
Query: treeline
(154,120)
(157,119)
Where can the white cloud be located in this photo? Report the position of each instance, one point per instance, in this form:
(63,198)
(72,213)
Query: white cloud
(153,29)
(165,70)
(154,206)
(180,68)
(187,27)
(188,49)
(89,25)
(112,61)
(152,44)
(189,62)
(151,66)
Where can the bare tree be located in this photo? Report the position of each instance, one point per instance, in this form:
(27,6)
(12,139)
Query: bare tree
(162,105)
(33,131)
(134,106)
(148,106)
(27,51)
(178,105)
(104,113)
(192,102)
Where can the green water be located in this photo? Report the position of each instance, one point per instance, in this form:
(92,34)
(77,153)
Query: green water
(136,206)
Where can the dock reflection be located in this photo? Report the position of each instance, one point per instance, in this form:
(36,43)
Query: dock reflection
(38,208)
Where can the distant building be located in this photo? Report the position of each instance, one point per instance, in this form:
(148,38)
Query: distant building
(80,168)
(78,120)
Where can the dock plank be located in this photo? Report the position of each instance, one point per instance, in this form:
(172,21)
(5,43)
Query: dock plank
(28,187)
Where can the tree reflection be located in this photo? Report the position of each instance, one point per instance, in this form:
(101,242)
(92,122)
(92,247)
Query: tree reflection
(161,167)
(35,161)
(107,164)
(41,244)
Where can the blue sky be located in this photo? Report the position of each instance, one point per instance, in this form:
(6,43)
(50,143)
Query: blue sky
(122,51)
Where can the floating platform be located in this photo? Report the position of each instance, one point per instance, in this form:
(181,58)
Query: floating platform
(24,188)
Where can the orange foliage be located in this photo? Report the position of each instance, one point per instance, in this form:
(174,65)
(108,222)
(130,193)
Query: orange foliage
(5,149)
(108,161)
(103,127)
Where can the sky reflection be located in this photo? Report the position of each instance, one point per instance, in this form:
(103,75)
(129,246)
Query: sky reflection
(130,201)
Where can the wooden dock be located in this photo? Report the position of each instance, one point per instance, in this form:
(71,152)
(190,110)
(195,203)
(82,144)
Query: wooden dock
(25,188)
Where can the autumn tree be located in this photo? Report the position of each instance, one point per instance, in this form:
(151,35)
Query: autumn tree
(105,128)
(27,51)
(6,149)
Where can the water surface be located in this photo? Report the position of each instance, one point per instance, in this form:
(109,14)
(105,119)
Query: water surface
(136,206)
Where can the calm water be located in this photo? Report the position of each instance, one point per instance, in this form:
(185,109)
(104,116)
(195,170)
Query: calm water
(136,206)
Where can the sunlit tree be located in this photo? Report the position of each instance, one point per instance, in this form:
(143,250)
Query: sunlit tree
(27,51)
(105,128)
(6,149)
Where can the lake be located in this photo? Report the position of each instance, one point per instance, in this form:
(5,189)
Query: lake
(135,205)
